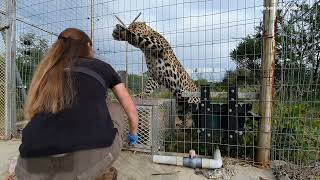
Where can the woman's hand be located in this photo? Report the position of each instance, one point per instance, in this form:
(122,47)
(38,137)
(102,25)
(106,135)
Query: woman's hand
(132,139)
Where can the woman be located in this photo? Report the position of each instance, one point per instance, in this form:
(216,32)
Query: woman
(70,134)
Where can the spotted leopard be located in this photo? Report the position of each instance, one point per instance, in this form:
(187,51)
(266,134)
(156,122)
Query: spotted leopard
(163,66)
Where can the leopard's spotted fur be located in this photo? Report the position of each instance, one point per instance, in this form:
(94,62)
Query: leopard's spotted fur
(163,66)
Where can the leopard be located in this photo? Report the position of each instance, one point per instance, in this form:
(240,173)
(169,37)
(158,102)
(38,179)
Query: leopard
(164,68)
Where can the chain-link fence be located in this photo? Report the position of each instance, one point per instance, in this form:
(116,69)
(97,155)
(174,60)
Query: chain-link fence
(7,58)
(220,45)
(3,49)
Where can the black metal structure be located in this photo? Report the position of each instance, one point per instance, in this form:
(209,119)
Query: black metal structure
(222,123)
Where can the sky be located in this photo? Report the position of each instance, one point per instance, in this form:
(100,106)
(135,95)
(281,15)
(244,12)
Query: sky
(202,33)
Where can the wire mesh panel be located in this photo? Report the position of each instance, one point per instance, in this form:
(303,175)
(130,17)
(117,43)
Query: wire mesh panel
(208,39)
(218,43)
(296,128)
(38,25)
(166,122)
(3,28)
(154,118)
(144,128)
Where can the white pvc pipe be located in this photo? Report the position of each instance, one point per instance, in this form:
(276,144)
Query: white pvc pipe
(165,159)
(191,162)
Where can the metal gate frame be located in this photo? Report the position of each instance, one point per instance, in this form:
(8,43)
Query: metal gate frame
(9,37)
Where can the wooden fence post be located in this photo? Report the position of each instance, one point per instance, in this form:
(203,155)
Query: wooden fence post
(267,86)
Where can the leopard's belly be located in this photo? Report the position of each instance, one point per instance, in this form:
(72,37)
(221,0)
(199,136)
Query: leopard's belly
(164,73)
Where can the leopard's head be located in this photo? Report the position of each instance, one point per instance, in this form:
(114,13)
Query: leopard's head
(140,28)
(121,33)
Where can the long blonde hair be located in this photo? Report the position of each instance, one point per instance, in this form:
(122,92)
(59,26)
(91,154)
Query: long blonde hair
(51,88)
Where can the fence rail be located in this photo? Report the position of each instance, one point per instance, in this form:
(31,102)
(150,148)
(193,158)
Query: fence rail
(241,95)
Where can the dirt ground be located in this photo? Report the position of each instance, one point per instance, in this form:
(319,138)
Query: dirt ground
(138,166)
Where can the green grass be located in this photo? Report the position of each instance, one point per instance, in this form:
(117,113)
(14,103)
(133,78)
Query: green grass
(296,132)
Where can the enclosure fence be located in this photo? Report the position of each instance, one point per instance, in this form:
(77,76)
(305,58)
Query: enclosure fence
(296,131)
(222,44)
(7,57)
(3,26)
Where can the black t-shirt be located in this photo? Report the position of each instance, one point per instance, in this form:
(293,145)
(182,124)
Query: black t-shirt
(86,125)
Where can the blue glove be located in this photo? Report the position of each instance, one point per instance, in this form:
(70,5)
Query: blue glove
(132,139)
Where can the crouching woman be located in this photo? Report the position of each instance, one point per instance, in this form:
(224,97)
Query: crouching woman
(70,135)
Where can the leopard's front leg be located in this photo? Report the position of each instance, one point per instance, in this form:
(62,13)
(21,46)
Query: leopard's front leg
(150,87)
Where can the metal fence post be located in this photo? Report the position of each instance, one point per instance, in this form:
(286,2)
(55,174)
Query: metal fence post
(155,128)
(92,20)
(267,86)
(10,92)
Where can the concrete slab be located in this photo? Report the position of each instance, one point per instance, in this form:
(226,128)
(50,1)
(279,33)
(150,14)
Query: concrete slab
(140,166)
(8,150)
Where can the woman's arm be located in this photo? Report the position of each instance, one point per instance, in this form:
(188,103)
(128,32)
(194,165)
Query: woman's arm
(125,100)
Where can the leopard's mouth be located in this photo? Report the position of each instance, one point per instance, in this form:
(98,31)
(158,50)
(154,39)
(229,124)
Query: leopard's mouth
(119,33)
(116,35)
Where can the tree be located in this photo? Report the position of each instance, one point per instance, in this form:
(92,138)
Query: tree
(297,47)
(296,78)
(134,81)
(30,50)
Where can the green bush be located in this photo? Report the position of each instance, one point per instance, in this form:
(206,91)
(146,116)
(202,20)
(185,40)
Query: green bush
(296,132)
